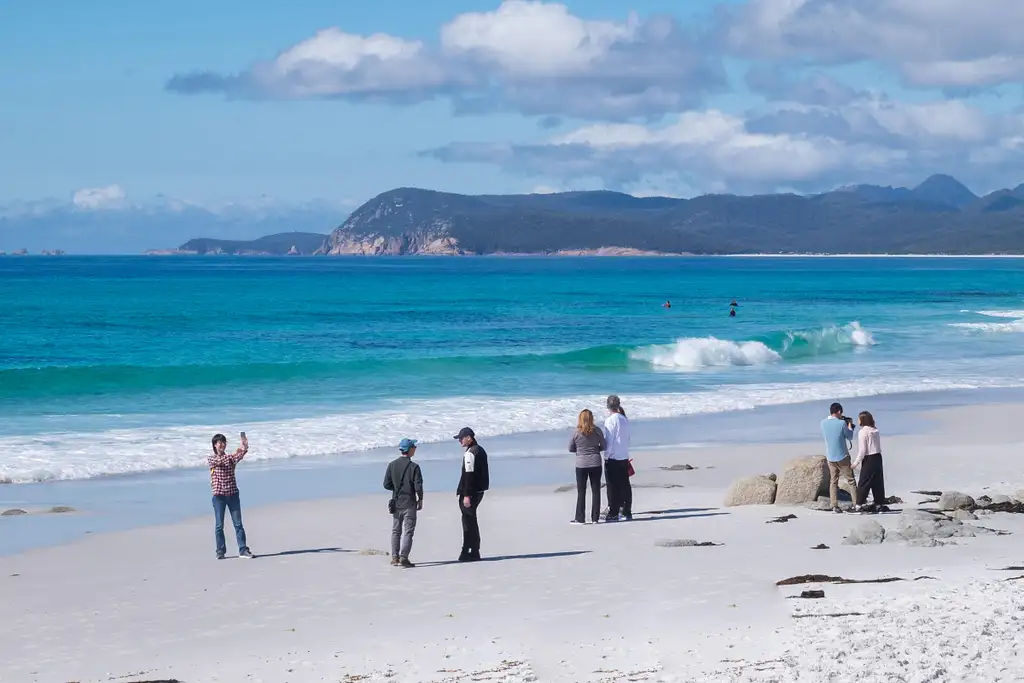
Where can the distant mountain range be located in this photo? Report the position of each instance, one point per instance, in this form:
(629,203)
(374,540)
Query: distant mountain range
(940,215)
(79,227)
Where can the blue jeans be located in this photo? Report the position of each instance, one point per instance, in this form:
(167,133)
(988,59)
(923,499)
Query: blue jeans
(234,506)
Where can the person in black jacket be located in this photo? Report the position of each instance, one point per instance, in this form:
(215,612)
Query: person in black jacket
(474,481)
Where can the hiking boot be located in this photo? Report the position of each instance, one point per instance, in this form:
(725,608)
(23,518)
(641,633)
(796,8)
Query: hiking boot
(405,563)
(245,553)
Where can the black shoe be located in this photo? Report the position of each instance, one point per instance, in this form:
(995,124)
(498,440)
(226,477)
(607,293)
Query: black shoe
(884,508)
(465,556)
(404,562)
(838,510)
(220,556)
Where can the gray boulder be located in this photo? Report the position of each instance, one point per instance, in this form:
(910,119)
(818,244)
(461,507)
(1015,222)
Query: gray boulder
(954,500)
(802,481)
(759,490)
(1000,499)
(963,515)
(867,532)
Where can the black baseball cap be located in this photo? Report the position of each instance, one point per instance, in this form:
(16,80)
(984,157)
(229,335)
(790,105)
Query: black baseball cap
(463,433)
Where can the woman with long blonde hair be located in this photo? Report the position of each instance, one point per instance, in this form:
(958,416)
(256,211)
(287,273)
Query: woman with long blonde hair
(587,443)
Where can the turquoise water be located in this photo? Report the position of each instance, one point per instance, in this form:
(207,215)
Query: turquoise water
(117,365)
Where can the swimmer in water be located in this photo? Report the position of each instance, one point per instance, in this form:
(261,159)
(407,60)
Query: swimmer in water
(667,304)
(732,308)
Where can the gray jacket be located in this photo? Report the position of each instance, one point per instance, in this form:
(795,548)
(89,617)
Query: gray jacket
(587,447)
(411,481)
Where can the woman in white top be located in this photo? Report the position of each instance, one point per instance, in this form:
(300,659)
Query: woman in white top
(869,459)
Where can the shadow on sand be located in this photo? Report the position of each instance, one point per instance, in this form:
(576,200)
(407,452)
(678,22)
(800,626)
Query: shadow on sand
(309,551)
(503,558)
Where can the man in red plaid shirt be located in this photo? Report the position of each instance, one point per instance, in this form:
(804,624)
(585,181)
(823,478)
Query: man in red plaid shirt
(225,493)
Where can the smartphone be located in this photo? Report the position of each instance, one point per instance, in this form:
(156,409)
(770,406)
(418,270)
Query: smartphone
(243,435)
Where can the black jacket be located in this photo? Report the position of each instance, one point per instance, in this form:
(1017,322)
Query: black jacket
(475,476)
(404,473)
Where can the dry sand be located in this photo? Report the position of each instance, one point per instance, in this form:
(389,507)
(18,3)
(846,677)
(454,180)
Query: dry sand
(553,602)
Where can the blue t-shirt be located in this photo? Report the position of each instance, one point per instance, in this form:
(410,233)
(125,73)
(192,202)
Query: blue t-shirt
(836,434)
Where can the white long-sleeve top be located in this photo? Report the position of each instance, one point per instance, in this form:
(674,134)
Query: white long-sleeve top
(869,442)
(616,436)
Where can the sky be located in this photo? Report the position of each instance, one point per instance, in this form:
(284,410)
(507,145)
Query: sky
(339,101)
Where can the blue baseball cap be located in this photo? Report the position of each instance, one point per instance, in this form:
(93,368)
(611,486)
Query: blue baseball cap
(406,445)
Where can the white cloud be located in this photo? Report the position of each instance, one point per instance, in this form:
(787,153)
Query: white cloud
(535,39)
(933,43)
(810,148)
(91,198)
(528,56)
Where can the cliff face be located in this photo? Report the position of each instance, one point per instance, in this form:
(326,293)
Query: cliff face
(397,223)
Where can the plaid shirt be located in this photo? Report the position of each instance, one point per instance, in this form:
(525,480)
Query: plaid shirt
(222,472)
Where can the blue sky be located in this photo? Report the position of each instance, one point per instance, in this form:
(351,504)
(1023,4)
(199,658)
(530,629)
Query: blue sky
(169,97)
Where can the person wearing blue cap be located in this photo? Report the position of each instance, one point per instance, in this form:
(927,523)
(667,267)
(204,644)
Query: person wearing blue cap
(405,481)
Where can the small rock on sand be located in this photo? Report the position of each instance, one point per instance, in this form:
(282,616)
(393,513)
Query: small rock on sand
(60,509)
(13,512)
(566,488)
(678,468)
(802,481)
(759,490)
(820,546)
(812,595)
(954,500)
(867,532)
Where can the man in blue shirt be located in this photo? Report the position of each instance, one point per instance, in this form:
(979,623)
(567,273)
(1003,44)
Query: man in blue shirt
(838,433)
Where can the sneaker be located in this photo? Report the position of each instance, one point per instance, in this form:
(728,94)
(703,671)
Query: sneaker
(405,563)
(395,562)
(464,557)
(220,556)
(245,553)
(884,508)
(626,518)
(576,521)
(838,510)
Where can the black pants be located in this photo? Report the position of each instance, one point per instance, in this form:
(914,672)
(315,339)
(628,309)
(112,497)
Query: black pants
(620,493)
(871,480)
(470,527)
(582,475)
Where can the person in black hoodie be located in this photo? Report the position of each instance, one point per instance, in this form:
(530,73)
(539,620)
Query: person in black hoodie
(474,481)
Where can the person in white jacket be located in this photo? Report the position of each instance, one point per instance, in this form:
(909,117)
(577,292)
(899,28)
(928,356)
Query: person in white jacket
(616,464)
(869,460)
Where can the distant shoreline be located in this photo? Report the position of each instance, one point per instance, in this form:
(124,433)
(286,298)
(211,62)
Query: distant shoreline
(588,254)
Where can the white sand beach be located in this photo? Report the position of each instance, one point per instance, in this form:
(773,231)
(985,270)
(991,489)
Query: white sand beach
(552,602)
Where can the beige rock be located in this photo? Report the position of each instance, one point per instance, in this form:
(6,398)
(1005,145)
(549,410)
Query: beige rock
(802,481)
(759,490)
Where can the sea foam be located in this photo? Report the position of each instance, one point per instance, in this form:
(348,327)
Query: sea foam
(81,455)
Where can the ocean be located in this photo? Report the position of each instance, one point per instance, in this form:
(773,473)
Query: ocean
(128,365)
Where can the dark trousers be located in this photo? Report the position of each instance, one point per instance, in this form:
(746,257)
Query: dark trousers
(233,505)
(871,480)
(620,493)
(470,526)
(594,475)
